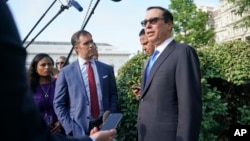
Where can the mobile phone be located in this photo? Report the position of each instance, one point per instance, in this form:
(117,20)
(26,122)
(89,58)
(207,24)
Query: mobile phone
(112,121)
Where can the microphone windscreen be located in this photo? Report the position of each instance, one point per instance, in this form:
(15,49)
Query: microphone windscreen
(76,5)
(105,116)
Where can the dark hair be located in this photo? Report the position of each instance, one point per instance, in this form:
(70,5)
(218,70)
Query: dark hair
(142,32)
(32,72)
(75,36)
(167,15)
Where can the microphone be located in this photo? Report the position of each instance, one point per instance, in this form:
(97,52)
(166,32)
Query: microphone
(76,5)
(105,117)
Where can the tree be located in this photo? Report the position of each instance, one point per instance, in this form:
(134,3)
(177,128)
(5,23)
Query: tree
(242,10)
(190,23)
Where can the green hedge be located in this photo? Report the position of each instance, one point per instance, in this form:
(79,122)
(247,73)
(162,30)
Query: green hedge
(129,75)
(225,81)
(226,88)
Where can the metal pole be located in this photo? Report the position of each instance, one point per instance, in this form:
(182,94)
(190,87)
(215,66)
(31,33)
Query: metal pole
(39,21)
(59,12)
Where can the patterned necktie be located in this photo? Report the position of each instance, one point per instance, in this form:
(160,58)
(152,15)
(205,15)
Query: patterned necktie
(151,62)
(93,92)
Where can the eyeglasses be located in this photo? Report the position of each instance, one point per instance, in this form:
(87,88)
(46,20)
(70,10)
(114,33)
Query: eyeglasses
(151,21)
(61,63)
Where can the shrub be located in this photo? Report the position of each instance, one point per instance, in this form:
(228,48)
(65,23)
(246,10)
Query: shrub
(129,75)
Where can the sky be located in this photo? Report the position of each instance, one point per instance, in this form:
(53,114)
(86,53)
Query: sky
(115,23)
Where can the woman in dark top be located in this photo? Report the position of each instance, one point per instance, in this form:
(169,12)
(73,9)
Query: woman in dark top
(42,85)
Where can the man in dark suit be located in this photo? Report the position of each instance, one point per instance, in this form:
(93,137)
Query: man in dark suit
(20,119)
(170,106)
(148,48)
(73,96)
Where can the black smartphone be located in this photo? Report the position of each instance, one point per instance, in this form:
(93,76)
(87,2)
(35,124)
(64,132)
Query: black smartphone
(112,121)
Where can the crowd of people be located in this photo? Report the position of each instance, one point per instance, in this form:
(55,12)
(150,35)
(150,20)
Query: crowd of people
(69,106)
(22,118)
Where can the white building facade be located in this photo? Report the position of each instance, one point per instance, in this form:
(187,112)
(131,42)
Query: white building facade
(107,53)
(223,19)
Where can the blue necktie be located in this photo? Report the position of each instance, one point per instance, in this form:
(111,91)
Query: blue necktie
(151,62)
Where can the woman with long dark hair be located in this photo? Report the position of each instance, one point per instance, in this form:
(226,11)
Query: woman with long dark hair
(42,85)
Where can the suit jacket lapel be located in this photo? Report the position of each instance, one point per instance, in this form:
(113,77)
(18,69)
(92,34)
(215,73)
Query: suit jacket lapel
(163,56)
(100,72)
(77,70)
(78,77)
(144,72)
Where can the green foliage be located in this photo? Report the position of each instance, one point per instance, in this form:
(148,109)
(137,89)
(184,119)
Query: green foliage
(244,115)
(225,82)
(190,24)
(129,75)
(229,61)
(214,109)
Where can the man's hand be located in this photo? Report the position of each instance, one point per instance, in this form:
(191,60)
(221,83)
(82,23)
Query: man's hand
(107,135)
(57,127)
(136,91)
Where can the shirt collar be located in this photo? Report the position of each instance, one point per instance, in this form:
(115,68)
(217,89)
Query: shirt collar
(83,61)
(164,44)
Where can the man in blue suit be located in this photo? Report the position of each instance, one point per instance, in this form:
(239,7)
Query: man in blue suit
(72,101)
(170,106)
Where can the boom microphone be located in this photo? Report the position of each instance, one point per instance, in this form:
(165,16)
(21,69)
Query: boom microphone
(76,5)
(105,117)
